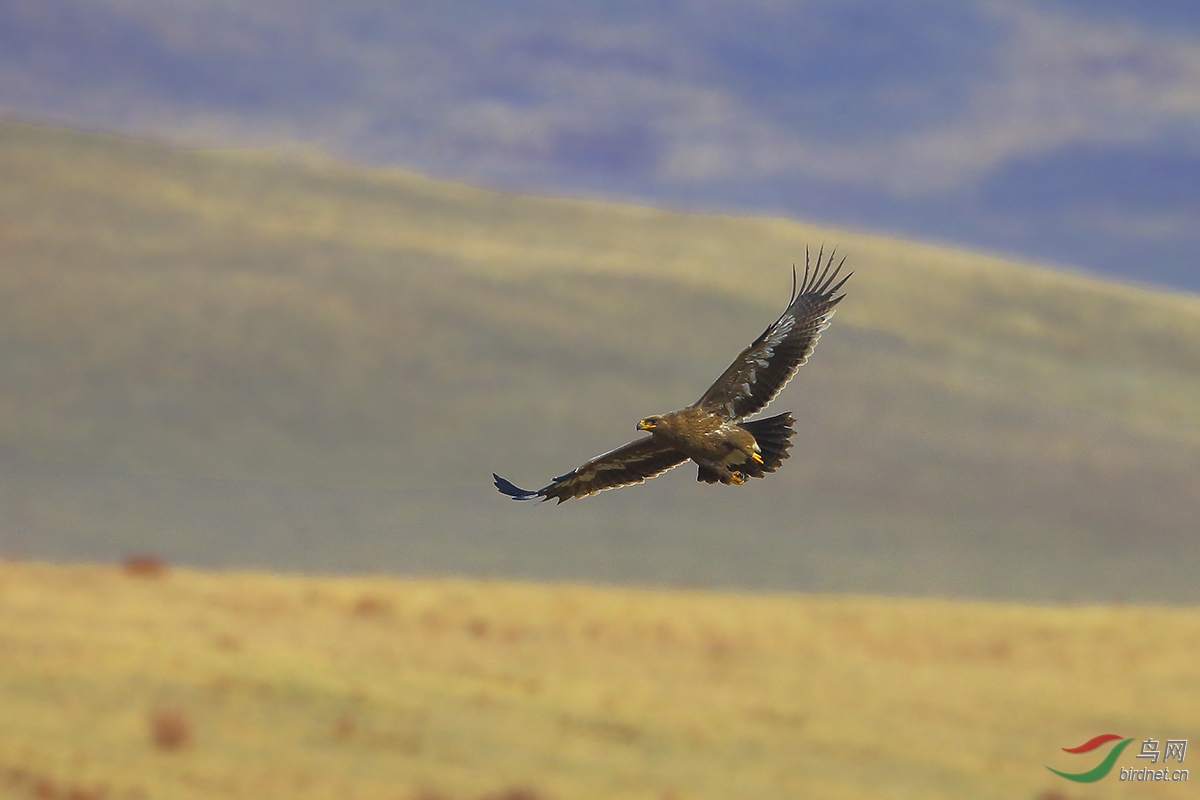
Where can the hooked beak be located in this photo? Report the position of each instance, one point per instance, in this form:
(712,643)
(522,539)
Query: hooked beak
(645,426)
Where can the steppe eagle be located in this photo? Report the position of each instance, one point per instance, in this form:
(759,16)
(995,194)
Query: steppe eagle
(713,431)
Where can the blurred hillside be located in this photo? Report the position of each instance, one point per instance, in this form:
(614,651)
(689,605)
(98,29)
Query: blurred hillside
(277,360)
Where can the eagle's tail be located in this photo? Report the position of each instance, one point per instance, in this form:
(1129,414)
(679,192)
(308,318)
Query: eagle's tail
(774,437)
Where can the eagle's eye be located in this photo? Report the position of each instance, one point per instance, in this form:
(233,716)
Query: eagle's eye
(648,423)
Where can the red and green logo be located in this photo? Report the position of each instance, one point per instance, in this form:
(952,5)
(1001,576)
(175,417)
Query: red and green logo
(1100,770)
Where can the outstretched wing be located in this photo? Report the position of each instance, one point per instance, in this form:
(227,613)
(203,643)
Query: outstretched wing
(631,463)
(765,367)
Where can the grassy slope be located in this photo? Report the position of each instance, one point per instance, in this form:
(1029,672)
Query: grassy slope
(239,315)
(376,688)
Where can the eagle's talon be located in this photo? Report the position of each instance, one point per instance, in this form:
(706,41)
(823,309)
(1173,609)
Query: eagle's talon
(756,458)
(737,478)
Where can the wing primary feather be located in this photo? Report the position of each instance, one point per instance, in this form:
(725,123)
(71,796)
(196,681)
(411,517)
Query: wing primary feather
(511,489)
(816,276)
(799,291)
(811,276)
(835,287)
(832,276)
(839,285)
(820,282)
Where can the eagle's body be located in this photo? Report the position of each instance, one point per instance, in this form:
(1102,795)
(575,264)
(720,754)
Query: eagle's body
(713,431)
(710,439)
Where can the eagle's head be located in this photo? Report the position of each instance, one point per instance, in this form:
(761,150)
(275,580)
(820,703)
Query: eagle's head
(651,423)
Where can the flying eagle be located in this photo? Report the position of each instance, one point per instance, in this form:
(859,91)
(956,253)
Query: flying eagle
(712,431)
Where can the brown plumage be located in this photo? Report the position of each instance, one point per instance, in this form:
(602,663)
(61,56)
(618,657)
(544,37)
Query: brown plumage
(713,431)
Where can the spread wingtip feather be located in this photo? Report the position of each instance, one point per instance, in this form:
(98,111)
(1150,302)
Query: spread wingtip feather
(511,489)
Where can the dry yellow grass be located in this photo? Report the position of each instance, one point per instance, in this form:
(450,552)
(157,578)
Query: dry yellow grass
(387,688)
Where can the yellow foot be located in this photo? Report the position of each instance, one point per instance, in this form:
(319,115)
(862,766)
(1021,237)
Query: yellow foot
(737,478)
(756,458)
